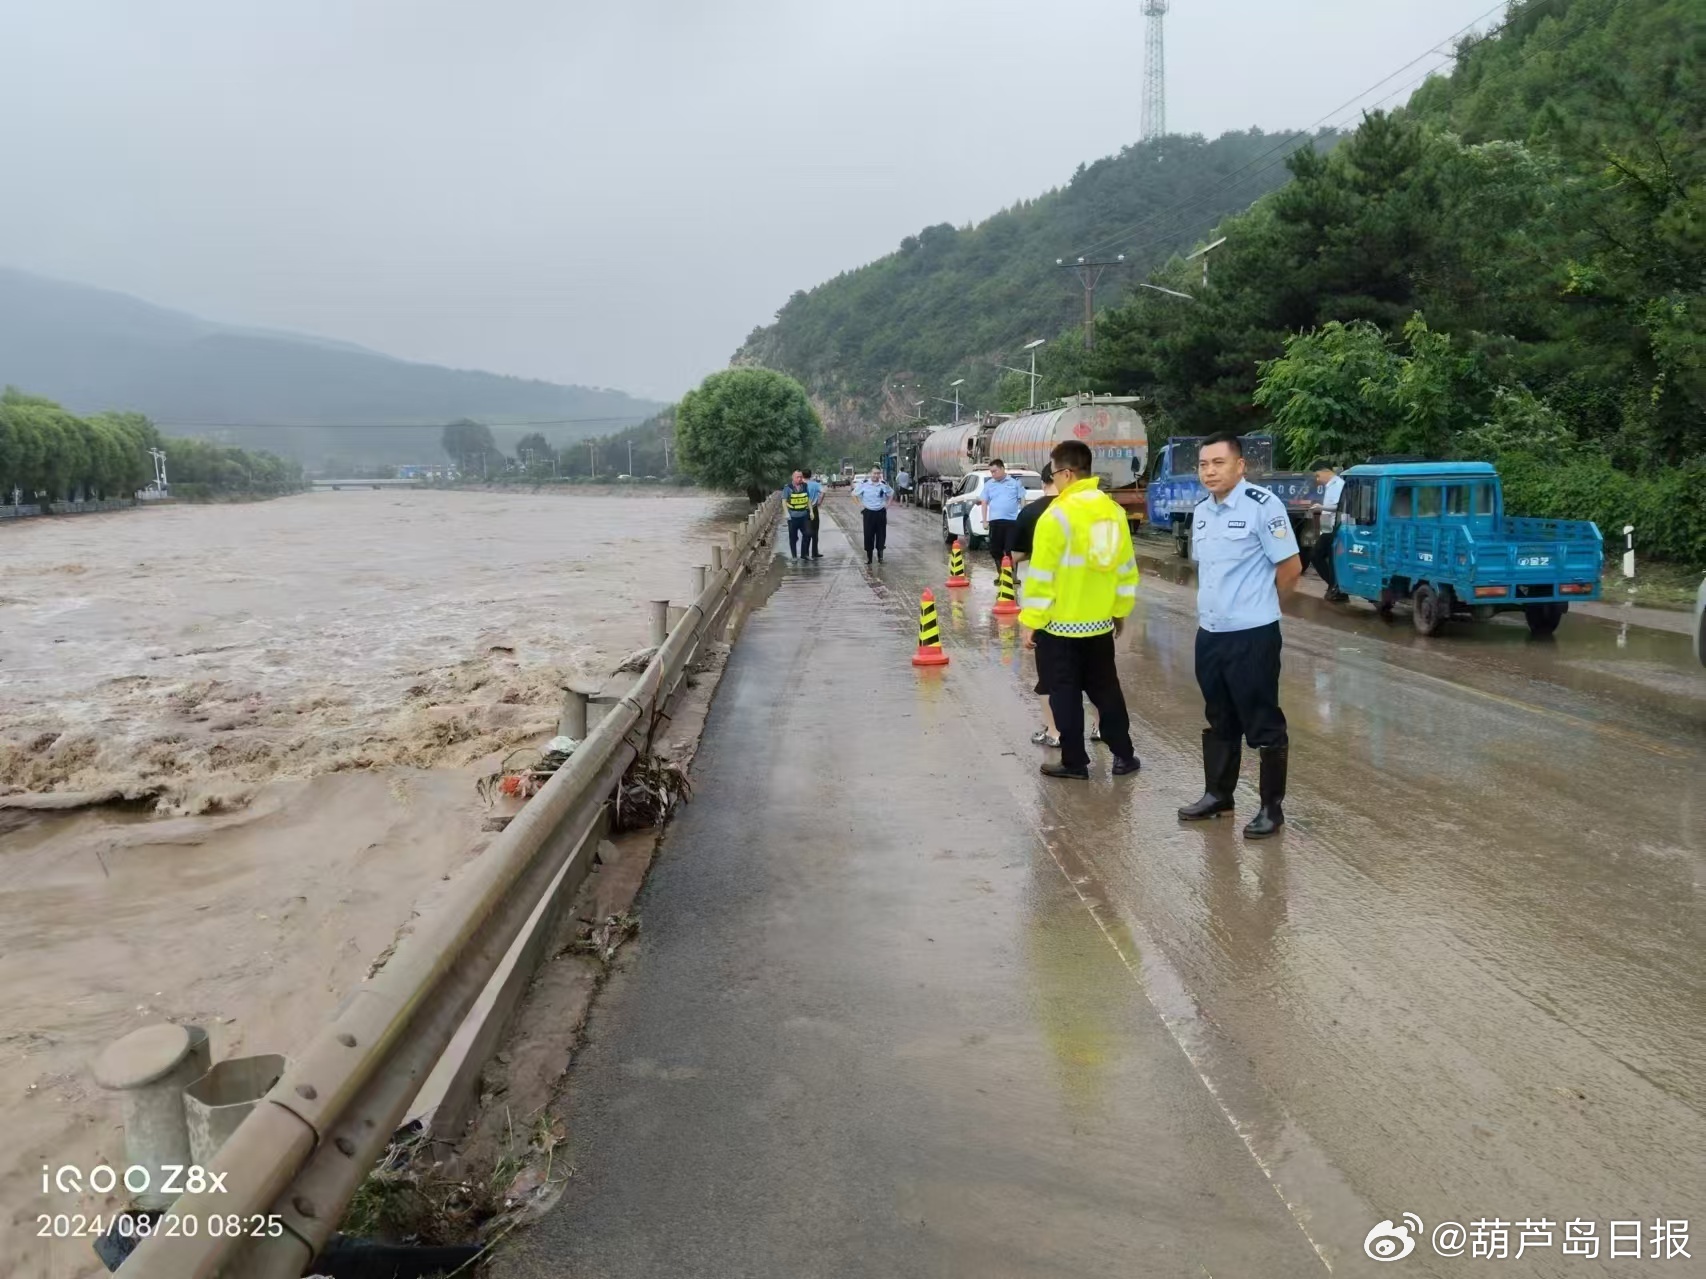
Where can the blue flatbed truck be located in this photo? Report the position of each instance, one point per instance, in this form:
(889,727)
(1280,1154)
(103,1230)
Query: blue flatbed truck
(1436,533)
(1172,490)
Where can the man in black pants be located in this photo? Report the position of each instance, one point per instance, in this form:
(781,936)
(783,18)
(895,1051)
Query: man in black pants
(1079,588)
(1003,498)
(813,525)
(1246,556)
(874,496)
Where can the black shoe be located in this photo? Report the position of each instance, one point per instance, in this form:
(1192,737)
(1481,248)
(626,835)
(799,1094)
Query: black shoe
(1220,762)
(1061,770)
(1272,814)
(879,557)
(1124,766)
(816,556)
(1336,596)
(1205,809)
(867,561)
(1266,823)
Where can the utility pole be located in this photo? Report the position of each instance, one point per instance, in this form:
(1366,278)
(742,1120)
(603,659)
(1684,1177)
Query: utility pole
(630,457)
(1089,275)
(1155,71)
(592,452)
(666,455)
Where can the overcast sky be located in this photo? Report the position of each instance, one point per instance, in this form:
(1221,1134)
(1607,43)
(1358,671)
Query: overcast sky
(609,194)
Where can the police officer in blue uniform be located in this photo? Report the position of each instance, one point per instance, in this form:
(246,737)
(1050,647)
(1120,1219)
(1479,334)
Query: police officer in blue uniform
(1246,557)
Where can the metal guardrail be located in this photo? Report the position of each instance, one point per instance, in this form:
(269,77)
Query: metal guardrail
(307,1146)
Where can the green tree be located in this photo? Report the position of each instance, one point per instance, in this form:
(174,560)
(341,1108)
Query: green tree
(471,447)
(535,453)
(746,429)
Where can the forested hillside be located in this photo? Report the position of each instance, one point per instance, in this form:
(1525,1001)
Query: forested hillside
(1512,267)
(956,302)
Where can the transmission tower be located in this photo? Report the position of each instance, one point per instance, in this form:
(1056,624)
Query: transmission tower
(1155,71)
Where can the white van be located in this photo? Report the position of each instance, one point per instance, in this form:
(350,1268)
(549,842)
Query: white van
(962,513)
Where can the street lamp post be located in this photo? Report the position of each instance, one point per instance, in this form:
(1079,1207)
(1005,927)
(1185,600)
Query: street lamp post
(1203,254)
(1032,374)
(957,385)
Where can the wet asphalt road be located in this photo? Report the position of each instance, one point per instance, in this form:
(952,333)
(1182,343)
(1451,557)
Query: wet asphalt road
(903,1007)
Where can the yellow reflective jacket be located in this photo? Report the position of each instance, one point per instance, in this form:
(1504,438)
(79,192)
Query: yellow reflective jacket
(1082,572)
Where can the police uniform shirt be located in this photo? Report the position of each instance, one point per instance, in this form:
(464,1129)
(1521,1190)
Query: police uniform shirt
(1330,502)
(873,496)
(1236,545)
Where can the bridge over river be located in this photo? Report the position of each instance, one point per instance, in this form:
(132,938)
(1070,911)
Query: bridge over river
(366,484)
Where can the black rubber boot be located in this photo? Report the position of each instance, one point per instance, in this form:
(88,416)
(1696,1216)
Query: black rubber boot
(1272,815)
(1220,761)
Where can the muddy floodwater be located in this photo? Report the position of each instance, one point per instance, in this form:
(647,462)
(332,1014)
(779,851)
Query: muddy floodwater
(197,651)
(304,691)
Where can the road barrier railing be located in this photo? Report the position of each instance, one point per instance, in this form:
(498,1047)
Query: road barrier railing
(289,1170)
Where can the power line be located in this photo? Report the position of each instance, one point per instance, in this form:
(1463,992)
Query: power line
(386,426)
(1232,179)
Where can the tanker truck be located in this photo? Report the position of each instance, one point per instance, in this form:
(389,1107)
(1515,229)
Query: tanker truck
(954,460)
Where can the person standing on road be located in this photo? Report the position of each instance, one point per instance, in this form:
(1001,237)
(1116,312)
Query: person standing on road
(1024,538)
(1003,497)
(903,483)
(1332,487)
(874,496)
(815,491)
(1246,558)
(1080,587)
(797,501)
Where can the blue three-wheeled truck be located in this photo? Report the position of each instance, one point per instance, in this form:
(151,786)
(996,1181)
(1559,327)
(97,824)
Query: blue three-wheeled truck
(1436,533)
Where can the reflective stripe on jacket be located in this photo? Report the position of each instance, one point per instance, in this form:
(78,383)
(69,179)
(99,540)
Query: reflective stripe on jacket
(1083,573)
(799,500)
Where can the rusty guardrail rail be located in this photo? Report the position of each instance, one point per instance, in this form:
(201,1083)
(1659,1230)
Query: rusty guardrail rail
(301,1154)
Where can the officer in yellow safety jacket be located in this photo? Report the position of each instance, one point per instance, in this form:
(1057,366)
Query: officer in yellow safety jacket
(797,499)
(1081,586)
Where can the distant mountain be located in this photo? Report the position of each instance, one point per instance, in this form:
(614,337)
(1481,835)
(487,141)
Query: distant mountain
(309,398)
(957,302)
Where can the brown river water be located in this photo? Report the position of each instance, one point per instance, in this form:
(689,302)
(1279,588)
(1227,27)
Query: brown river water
(306,690)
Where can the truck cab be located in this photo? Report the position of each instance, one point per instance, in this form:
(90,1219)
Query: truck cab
(1173,490)
(962,514)
(1437,534)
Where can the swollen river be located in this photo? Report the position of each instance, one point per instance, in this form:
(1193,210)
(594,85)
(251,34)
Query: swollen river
(193,652)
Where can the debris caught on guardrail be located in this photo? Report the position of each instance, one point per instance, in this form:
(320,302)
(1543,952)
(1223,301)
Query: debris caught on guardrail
(649,791)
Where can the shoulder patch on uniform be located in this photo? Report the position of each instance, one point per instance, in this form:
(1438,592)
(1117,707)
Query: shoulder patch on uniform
(1280,526)
(1259,495)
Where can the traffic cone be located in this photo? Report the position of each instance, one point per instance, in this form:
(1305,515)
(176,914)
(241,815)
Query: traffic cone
(929,635)
(1006,605)
(957,566)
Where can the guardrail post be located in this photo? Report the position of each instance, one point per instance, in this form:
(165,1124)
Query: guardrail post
(700,573)
(572,722)
(716,559)
(660,622)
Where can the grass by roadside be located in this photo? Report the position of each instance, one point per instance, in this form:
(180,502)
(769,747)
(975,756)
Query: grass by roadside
(1656,584)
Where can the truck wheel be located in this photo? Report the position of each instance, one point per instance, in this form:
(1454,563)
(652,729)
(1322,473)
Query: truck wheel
(1427,610)
(1543,619)
(1182,539)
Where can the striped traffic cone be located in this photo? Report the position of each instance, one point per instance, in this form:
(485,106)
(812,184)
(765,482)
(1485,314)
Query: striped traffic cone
(1006,603)
(929,634)
(957,566)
